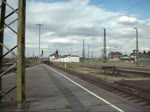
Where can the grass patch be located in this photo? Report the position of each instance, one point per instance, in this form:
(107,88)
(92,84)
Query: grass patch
(99,73)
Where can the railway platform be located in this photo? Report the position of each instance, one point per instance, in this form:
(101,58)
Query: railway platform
(52,90)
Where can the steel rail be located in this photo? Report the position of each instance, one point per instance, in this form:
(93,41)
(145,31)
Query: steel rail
(107,86)
(123,69)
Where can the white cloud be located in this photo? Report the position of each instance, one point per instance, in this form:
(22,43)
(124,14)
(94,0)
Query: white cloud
(63,41)
(48,34)
(127,20)
(66,23)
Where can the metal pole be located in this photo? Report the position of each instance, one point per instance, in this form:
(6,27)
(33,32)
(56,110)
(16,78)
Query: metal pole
(104,45)
(83,55)
(137,49)
(2,21)
(39,39)
(21,55)
(88,51)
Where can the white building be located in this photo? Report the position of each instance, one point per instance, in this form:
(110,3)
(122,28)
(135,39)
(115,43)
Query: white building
(70,58)
(65,58)
(53,57)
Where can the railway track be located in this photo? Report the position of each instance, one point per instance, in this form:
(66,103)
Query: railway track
(119,70)
(8,69)
(132,94)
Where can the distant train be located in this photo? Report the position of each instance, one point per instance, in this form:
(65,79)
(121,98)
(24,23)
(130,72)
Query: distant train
(129,58)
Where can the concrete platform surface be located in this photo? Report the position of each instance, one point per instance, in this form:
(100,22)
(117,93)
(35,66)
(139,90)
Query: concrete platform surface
(51,90)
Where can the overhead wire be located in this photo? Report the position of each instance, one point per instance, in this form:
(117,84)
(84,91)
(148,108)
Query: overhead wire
(131,7)
(138,3)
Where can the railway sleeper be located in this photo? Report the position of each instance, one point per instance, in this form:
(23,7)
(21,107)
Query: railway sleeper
(139,101)
(138,96)
(137,92)
(115,92)
(146,104)
(125,95)
(148,107)
(132,98)
(133,88)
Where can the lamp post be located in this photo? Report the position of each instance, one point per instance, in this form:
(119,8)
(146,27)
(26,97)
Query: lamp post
(137,49)
(39,25)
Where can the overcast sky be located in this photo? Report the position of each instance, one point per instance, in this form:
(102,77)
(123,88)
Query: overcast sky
(67,22)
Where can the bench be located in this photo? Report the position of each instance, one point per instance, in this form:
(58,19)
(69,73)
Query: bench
(107,69)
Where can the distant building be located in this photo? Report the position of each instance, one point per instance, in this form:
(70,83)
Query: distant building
(114,56)
(70,58)
(53,56)
(65,58)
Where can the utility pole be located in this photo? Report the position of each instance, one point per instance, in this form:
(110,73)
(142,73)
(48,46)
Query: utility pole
(39,25)
(92,55)
(33,54)
(104,46)
(137,49)
(88,51)
(83,52)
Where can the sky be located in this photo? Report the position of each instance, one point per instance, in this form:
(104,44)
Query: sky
(67,22)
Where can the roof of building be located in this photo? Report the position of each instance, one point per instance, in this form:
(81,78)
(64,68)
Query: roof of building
(74,56)
(115,53)
(54,54)
(64,56)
